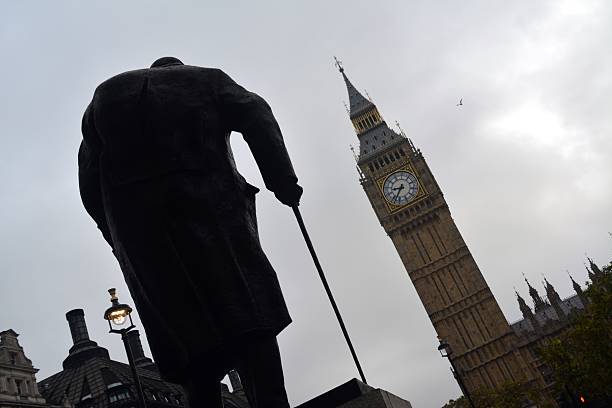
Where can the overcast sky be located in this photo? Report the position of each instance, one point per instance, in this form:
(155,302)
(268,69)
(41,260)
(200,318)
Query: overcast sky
(524,164)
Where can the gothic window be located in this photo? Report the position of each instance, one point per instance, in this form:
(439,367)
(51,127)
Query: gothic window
(376,166)
(402,151)
(397,156)
(392,158)
(387,160)
(371,167)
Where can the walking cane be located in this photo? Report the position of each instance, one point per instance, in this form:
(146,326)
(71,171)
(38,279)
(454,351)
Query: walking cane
(300,221)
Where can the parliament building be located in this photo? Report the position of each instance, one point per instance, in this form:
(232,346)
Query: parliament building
(410,206)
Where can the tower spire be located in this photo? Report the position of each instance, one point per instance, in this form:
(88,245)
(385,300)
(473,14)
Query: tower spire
(596,271)
(372,131)
(524,308)
(526,311)
(554,299)
(538,302)
(575,284)
(358,103)
(578,289)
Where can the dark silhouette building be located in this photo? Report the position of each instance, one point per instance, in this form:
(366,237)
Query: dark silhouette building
(90,379)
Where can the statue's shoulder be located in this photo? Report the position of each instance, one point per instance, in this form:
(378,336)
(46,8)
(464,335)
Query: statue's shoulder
(125,79)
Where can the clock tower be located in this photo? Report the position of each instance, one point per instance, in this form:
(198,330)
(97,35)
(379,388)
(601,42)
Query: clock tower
(412,210)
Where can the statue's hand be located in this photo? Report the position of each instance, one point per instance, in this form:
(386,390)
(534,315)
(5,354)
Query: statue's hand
(289,195)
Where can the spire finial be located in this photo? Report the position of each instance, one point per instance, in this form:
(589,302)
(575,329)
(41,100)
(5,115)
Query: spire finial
(571,277)
(400,128)
(338,65)
(354,154)
(526,281)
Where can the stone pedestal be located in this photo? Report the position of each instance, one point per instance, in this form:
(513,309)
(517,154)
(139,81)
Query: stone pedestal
(355,394)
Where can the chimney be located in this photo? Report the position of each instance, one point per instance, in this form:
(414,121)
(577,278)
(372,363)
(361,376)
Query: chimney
(140,360)
(78,328)
(83,348)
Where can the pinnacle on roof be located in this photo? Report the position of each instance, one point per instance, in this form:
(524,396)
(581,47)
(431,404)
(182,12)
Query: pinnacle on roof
(357,102)
(524,308)
(548,286)
(575,284)
(591,275)
(594,267)
(538,303)
(551,293)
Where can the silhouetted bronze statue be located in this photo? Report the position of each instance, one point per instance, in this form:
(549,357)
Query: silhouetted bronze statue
(157,175)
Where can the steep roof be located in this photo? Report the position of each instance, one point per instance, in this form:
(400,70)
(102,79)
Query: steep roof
(97,380)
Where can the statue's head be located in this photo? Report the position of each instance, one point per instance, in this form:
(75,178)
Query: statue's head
(166,62)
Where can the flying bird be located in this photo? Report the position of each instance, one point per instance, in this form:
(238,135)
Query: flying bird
(460,102)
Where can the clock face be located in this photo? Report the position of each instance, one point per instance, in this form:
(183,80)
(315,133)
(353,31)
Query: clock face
(400,187)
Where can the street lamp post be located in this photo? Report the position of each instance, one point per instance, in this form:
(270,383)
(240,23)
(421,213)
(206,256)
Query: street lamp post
(117,316)
(445,351)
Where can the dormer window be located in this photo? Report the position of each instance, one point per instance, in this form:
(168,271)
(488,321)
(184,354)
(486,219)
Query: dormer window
(119,394)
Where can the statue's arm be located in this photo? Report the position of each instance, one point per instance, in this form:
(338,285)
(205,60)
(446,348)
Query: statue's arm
(89,175)
(246,112)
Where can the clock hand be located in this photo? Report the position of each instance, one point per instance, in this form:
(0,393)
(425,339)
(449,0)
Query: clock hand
(398,191)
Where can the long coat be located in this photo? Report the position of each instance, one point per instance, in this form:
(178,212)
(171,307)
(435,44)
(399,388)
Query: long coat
(157,175)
